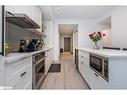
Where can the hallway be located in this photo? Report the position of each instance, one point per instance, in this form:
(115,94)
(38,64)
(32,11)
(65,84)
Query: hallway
(68,78)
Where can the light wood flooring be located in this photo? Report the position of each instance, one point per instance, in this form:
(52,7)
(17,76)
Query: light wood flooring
(68,78)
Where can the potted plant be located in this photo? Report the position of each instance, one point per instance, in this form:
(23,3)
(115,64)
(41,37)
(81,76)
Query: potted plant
(95,37)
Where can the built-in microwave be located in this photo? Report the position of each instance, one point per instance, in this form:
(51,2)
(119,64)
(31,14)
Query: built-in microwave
(100,65)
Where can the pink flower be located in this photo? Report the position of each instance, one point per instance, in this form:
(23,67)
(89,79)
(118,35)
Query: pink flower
(104,34)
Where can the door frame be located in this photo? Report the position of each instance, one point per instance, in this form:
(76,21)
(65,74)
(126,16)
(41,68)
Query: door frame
(70,44)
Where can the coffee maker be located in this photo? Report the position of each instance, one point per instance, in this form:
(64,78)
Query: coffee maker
(22,47)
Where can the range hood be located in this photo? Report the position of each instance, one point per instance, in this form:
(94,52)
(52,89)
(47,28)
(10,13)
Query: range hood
(21,20)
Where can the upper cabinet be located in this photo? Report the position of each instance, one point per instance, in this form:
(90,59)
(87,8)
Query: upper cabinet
(37,15)
(33,12)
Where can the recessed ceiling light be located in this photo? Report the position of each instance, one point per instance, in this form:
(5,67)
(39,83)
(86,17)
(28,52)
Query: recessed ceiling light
(58,8)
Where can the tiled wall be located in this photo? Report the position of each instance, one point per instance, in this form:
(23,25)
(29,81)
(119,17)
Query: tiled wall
(15,33)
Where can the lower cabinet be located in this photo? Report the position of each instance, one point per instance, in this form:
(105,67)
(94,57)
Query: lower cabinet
(94,80)
(49,60)
(19,74)
(1,72)
(84,65)
(1,79)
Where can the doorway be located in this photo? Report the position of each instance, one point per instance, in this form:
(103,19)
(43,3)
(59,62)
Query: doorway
(67,44)
(66,34)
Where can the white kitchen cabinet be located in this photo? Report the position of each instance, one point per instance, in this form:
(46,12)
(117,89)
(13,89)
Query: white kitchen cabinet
(37,17)
(94,80)
(1,71)
(10,9)
(18,74)
(34,12)
(49,59)
(1,78)
(48,30)
(84,64)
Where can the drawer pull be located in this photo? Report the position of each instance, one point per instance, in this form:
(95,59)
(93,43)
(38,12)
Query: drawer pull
(82,56)
(23,74)
(82,62)
(96,74)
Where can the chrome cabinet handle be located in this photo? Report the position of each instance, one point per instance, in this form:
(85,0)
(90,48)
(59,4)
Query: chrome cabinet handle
(23,74)
(96,74)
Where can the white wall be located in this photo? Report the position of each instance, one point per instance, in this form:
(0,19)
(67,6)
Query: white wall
(84,28)
(62,41)
(118,26)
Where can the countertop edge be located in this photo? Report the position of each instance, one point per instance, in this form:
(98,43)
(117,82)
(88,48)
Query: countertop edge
(13,58)
(118,56)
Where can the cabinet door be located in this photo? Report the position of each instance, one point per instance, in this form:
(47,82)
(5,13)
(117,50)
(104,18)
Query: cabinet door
(84,70)
(10,9)
(94,81)
(1,78)
(28,10)
(1,71)
(37,15)
(19,73)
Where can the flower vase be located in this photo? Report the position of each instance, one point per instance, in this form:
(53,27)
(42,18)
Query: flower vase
(96,46)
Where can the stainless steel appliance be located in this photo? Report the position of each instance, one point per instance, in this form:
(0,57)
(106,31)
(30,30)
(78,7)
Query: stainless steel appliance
(76,59)
(100,65)
(38,69)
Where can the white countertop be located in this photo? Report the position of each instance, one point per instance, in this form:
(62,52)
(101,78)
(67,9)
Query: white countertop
(17,56)
(106,52)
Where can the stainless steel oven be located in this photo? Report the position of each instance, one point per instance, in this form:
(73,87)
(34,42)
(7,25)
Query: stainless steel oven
(38,69)
(100,65)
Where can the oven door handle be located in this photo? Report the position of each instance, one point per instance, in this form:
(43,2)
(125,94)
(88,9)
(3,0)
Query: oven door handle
(36,63)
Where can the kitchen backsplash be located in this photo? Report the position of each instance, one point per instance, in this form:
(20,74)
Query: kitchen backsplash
(15,33)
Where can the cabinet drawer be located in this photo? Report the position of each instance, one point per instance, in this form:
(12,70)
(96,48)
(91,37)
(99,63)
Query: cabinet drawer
(84,56)
(15,77)
(95,81)
(13,67)
(84,70)
(105,84)
(25,83)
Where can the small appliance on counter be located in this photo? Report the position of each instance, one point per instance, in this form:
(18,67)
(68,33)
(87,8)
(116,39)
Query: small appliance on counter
(22,47)
(30,46)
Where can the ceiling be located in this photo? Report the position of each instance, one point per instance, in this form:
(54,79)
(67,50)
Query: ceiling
(76,12)
(67,29)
